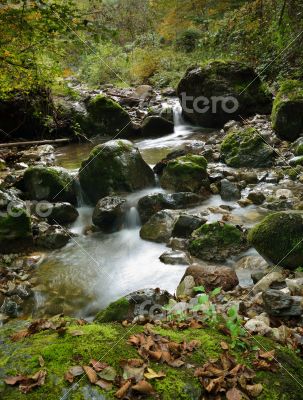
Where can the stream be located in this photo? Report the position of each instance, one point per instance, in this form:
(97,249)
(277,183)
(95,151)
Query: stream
(94,270)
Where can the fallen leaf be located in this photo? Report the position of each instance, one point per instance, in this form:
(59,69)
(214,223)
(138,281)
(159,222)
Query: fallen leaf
(133,368)
(267,355)
(233,394)
(81,322)
(90,373)
(151,374)
(224,345)
(19,335)
(77,333)
(41,361)
(103,384)
(97,365)
(143,387)
(69,377)
(12,380)
(254,390)
(123,390)
(77,370)
(108,373)
(33,381)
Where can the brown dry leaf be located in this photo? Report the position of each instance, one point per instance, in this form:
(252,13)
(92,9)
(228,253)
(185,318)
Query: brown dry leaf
(254,390)
(224,345)
(155,355)
(77,370)
(123,390)
(15,337)
(81,322)
(97,365)
(133,368)
(267,355)
(176,363)
(194,324)
(143,387)
(124,323)
(33,381)
(41,361)
(234,394)
(12,380)
(108,373)
(151,374)
(90,373)
(103,384)
(69,377)
(134,340)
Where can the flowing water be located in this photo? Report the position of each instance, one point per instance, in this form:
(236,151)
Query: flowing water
(91,271)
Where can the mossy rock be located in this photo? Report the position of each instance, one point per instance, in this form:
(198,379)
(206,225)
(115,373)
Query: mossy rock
(287,111)
(106,117)
(15,231)
(299,150)
(279,239)
(114,167)
(117,311)
(217,241)
(185,174)
(246,148)
(154,126)
(227,80)
(108,343)
(49,183)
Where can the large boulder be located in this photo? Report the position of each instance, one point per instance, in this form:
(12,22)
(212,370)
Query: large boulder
(49,183)
(109,213)
(51,236)
(185,174)
(159,227)
(279,239)
(58,213)
(15,230)
(217,241)
(146,302)
(246,148)
(228,81)
(106,117)
(210,276)
(287,112)
(114,167)
(279,304)
(152,203)
(186,224)
(156,126)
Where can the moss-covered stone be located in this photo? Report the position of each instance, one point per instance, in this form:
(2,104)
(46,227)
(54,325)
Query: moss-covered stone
(246,148)
(108,343)
(217,241)
(279,239)
(15,230)
(116,311)
(186,173)
(106,117)
(299,150)
(49,183)
(287,111)
(237,84)
(159,227)
(114,167)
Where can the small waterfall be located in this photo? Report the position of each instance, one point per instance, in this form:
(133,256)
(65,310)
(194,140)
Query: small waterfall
(132,218)
(178,117)
(79,192)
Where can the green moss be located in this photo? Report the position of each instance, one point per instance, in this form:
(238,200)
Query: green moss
(116,311)
(246,148)
(186,173)
(212,238)
(15,225)
(108,342)
(299,150)
(278,237)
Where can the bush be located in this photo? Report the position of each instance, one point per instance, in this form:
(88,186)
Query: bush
(188,40)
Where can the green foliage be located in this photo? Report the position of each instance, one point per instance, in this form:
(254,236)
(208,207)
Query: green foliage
(188,40)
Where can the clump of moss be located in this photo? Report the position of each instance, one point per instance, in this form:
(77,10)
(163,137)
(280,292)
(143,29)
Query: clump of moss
(186,173)
(287,111)
(217,241)
(116,311)
(278,238)
(107,117)
(246,148)
(299,150)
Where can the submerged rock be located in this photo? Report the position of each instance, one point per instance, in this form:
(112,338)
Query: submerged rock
(109,212)
(185,174)
(145,302)
(152,203)
(287,112)
(156,126)
(159,227)
(239,89)
(217,241)
(49,183)
(278,238)
(174,257)
(114,167)
(246,148)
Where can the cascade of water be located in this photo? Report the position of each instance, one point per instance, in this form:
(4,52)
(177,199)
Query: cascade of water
(79,193)
(132,218)
(177,115)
